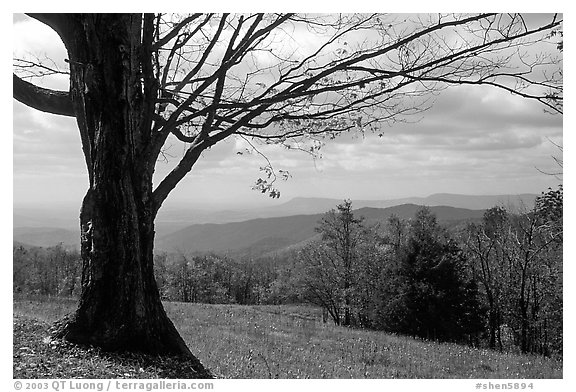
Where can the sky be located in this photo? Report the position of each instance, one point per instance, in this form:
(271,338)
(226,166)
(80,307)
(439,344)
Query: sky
(474,140)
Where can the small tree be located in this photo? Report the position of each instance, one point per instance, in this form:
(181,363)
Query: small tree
(333,265)
(389,306)
(487,260)
(319,278)
(437,299)
(343,233)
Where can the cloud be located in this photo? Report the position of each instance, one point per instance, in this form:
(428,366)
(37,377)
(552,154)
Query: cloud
(467,143)
(473,140)
(33,40)
(479,109)
(45,144)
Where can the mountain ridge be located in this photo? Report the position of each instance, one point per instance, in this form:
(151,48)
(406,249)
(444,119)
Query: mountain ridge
(289,230)
(171,221)
(171,218)
(436,199)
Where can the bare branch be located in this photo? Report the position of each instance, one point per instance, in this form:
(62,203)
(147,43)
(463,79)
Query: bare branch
(175,31)
(50,101)
(253,75)
(177,174)
(37,68)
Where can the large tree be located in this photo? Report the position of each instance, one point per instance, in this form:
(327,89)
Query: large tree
(296,80)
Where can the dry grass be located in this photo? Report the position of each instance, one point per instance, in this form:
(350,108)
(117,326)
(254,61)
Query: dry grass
(236,341)
(37,355)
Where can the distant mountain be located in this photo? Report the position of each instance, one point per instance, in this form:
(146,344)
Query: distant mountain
(22,245)
(182,215)
(302,205)
(172,219)
(476,202)
(269,233)
(47,227)
(46,236)
(39,218)
(259,236)
(407,211)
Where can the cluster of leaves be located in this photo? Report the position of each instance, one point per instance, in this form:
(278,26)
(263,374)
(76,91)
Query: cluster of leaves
(38,355)
(266,185)
(550,204)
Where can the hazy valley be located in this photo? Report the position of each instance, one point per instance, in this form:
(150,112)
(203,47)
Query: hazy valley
(254,231)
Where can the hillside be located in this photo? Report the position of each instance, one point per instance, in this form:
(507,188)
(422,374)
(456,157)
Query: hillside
(46,236)
(273,341)
(262,233)
(254,231)
(173,217)
(258,236)
(407,211)
(304,205)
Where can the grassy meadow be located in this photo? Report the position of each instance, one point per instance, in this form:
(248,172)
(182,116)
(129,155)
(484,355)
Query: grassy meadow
(236,341)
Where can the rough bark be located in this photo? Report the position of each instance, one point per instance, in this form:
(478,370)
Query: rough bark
(56,102)
(120,307)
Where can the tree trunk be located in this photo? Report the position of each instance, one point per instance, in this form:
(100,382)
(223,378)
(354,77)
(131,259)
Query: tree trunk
(499,332)
(493,322)
(120,307)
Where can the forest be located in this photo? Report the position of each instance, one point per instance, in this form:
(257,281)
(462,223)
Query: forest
(494,283)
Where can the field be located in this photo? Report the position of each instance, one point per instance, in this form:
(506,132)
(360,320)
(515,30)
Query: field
(236,341)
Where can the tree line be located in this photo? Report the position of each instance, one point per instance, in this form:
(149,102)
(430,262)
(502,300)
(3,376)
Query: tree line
(494,283)
(53,271)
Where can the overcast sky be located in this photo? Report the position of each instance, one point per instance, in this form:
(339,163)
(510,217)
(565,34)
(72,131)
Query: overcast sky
(473,141)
